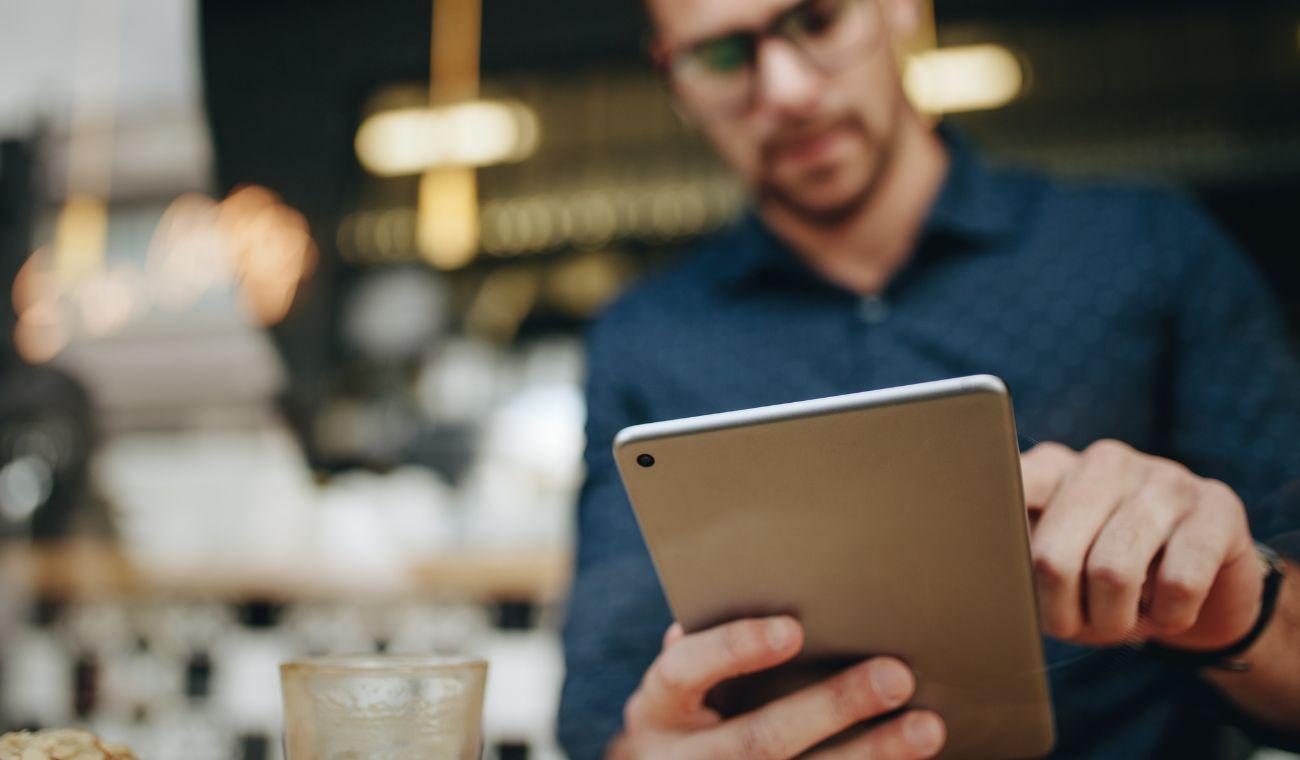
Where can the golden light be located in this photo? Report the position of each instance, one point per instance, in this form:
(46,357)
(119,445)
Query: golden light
(966,78)
(109,300)
(41,333)
(188,254)
(447,222)
(582,284)
(36,282)
(479,133)
(80,236)
(251,238)
(38,298)
(251,241)
(445,142)
(271,247)
(503,302)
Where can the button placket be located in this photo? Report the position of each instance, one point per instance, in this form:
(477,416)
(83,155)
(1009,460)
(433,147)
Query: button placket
(873,310)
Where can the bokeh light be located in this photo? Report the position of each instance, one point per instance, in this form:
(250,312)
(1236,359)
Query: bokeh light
(965,78)
(479,133)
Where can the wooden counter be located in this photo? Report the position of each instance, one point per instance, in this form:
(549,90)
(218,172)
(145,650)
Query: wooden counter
(85,569)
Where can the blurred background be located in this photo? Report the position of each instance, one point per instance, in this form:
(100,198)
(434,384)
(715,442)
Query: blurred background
(291,353)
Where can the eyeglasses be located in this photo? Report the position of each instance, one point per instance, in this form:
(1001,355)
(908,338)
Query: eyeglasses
(719,74)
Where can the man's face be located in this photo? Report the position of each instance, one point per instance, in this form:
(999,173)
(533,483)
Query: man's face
(811,137)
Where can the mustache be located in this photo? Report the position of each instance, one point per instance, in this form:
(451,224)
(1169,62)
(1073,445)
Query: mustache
(803,131)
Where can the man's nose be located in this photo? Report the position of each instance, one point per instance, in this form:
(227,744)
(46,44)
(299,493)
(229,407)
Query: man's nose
(787,81)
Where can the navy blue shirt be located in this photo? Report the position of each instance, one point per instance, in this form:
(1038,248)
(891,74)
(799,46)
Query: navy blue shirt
(1110,312)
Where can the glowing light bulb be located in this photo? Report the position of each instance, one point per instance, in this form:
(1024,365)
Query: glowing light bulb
(966,78)
(479,133)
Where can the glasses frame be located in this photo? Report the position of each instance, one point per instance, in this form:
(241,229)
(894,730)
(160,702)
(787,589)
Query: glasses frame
(669,62)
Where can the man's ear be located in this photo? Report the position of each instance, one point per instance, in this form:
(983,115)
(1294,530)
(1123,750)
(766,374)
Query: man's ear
(657,52)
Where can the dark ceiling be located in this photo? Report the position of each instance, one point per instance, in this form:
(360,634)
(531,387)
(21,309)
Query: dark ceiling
(526,34)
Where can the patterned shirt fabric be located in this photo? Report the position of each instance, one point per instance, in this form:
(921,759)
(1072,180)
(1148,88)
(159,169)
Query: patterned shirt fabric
(1109,311)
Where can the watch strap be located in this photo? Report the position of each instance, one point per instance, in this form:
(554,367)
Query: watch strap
(1225,658)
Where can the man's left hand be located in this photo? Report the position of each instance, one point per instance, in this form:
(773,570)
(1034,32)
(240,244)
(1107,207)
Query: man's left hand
(1129,547)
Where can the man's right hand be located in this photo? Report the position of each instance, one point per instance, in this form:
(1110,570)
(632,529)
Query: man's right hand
(667,718)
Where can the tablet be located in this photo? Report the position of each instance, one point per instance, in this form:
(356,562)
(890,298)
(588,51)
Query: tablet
(890,522)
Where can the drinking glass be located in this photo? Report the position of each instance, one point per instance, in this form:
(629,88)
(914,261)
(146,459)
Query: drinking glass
(383,707)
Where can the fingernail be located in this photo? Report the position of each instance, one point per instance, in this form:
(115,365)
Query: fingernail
(780,632)
(891,681)
(923,731)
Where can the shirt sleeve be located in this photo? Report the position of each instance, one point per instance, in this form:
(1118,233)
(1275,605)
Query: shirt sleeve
(1236,401)
(1235,407)
(616,615)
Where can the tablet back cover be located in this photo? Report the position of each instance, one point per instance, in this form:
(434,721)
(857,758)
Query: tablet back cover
(888,523)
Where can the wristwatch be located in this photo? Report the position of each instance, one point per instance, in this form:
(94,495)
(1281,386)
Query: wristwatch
(1226,658)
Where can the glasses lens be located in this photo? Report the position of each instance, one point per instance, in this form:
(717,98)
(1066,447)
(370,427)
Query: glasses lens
(725,55)
(827,29)
(717,73)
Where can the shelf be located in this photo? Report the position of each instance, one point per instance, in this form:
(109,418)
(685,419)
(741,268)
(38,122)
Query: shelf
(85,569)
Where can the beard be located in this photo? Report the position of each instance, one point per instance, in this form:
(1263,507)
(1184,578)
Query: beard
(798,193)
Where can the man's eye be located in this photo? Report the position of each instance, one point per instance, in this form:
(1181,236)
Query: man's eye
(818,16)
(725,55)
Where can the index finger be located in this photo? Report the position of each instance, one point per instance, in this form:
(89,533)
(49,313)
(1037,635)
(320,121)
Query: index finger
(1043,468)
(685,672)
(795,723)
(673,635)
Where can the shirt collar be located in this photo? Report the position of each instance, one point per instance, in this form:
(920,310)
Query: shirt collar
(974,202)
(974,206)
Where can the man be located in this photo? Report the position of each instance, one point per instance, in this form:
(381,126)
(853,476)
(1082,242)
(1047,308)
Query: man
(1127,327)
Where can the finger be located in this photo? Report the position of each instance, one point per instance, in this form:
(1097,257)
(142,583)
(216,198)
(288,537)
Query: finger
(1193,556)
(916,733)
(1082,503)
(794,723)
(679,678)
(674,634)
(1118,563)
(1042,469)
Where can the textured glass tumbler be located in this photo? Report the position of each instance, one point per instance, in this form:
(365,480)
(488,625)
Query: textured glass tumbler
(383,707)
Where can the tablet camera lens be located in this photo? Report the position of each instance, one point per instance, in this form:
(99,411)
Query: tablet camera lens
(645,460)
